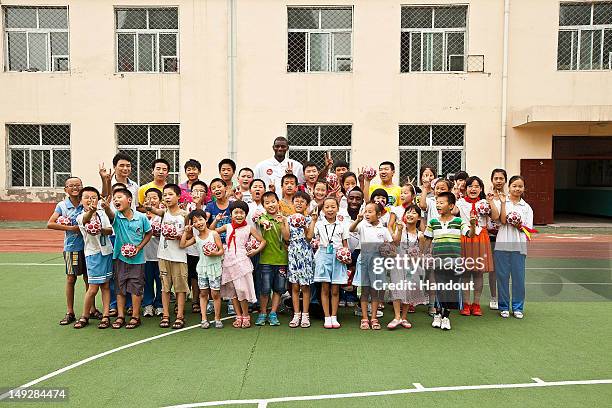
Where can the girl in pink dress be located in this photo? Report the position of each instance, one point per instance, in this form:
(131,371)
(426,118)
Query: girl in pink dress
(237,276)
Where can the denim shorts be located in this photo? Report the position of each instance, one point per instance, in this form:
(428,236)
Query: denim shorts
(270,278)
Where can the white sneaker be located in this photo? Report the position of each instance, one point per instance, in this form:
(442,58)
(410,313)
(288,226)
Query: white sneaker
(493,304)
(342,303)
(437,321)
(159,311)
(445,324)
(148,311)
(379,313)
(505,314)
(518,314)
(210,307)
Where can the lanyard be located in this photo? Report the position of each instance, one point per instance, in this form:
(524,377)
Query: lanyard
(330,237)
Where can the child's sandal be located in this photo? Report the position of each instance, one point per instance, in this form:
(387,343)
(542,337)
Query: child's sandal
(295,322)
(133,323)
(305,321)
(365,324)
(119,322)
(96,314)
(113,313)
(104,323)
(246,322)
(195,308)
(69,318)
(375,324)
(237,322)
(179,323)
(165,322)
(82,322)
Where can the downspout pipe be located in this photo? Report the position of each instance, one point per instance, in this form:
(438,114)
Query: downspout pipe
(504,101)
(231,63)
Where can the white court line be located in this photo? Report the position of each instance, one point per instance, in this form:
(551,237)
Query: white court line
(262,403)
(100,355)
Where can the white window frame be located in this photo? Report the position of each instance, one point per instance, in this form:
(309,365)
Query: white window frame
(158,61)
(322,148)
(332,61)
(151,147)
(50,66)
(29,149)
(579,29)
(433,148)
(445,32)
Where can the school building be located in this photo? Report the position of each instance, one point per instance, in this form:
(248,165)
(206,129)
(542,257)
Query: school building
(520,84)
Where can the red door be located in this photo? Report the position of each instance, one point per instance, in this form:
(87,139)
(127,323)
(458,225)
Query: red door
(539,177)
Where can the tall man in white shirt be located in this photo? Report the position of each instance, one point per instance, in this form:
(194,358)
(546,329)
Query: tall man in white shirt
(272,170)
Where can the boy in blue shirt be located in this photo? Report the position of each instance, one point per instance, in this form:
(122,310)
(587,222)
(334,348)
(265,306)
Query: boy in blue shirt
(131,227)
(74,255)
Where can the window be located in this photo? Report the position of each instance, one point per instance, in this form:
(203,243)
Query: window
(311,142)
(440,146)
(147,39)
(319,39)
(433,38)
(38,155)
(36,39)
(145,143)
(585,36)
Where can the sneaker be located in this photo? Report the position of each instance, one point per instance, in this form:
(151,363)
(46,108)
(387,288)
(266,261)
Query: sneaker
(273,319)
(476,311)
(351,304)
(204,324)
(218,324)
(210,307)
(466,311)
(342,303)
(518,314)
(505,314)
(437,321)
(261,319)
(493,304)
(445,324)
(379,313)
(159,311)
(148,311)
(230,310)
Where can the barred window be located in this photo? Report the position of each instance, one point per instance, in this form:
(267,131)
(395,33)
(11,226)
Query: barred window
(36,38)
(319,39)
(311,142)
(441,146)
(585,36)
(38,155)
(147,39)
(145,143)
(433,38)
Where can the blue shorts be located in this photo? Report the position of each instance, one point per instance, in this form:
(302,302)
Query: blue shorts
(329,269)
(271,278)
(99,268)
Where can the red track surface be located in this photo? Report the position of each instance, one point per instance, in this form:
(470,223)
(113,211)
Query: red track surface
(542,246)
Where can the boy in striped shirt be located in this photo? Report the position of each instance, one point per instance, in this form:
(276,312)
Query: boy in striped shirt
(444,234)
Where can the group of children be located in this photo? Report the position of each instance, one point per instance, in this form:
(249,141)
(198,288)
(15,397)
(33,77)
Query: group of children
(330,241)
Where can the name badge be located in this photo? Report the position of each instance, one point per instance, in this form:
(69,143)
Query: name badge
(330,249)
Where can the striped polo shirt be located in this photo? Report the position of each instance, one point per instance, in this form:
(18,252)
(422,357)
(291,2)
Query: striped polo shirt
(446,236)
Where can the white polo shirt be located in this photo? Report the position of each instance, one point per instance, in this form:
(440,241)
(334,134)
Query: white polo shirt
(132,187)
(334,232)
(271,171)
(510,238)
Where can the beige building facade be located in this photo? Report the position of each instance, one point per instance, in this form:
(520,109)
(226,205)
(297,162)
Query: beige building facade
(469,85)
